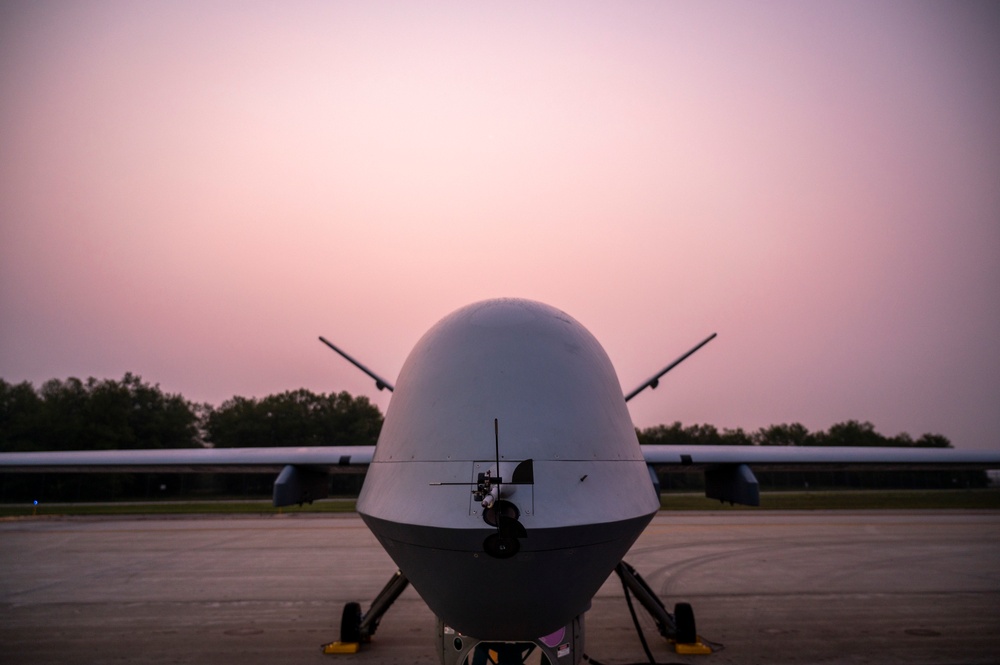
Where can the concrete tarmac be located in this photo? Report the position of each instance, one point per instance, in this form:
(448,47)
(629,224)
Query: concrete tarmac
(815,587)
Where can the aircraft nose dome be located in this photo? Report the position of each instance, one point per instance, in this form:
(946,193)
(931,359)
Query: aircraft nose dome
(554,394)
(531,366)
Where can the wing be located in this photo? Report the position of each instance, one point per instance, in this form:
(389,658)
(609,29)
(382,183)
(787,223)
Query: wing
(728,476)
(803,458)
(303,472)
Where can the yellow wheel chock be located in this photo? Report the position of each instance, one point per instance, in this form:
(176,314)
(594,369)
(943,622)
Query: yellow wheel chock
(341,647)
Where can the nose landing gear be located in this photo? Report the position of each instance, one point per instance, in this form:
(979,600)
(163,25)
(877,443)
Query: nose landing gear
(678,627)
(357,628)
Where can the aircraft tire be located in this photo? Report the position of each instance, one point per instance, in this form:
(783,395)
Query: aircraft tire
(684,621)
(350,624)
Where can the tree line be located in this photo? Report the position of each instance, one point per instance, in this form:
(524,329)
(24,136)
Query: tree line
(133,414)
(849,433)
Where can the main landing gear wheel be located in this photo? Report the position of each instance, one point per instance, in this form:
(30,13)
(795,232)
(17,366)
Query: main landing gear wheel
(350,623)
(684,622)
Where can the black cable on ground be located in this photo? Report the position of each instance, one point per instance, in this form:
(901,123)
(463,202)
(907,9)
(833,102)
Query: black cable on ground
(638,630)
(635,622)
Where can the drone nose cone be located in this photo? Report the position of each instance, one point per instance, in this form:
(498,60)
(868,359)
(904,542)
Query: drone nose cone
(533,367)
(499,412)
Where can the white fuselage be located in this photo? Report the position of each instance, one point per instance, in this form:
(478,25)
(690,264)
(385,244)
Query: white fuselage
(557,401)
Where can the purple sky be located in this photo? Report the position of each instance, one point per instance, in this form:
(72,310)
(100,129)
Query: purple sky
(194,191)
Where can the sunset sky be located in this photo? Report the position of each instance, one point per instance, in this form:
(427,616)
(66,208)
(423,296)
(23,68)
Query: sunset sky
(194,191)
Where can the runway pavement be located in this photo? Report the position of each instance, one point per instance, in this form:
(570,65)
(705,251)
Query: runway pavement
(816,587)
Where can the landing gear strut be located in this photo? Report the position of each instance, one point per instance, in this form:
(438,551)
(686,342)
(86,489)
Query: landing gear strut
(357,628)
(678,627)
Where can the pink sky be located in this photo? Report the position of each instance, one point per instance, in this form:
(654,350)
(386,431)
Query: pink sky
(194,191)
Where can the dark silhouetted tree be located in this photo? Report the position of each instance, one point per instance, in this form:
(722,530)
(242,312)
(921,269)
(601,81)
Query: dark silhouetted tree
(295,418)
(96,415)
(794,434)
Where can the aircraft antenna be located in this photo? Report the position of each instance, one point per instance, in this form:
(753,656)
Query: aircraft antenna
(654,381)
(380,383)
(499,512)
